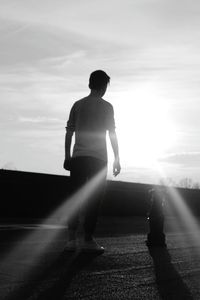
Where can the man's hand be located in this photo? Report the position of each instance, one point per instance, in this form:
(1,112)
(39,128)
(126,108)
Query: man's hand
(116,167)
(67,164)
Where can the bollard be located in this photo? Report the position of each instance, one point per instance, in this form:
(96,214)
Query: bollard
(156,236)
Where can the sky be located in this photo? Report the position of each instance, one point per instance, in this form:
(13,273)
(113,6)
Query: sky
(149,48)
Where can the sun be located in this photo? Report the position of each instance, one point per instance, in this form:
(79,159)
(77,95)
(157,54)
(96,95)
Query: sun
(144,127)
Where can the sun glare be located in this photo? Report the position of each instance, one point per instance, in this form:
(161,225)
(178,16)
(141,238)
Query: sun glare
(145,130)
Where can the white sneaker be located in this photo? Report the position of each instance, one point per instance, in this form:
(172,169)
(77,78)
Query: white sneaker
(92,247)
(71,246)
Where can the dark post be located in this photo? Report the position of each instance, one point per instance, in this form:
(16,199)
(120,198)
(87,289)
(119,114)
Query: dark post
(156,236)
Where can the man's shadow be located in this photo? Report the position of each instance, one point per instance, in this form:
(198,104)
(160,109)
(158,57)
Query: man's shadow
(53,282)
(169,282)
(70,268)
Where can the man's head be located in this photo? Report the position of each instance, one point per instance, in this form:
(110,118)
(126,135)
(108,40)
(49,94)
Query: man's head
(98,81)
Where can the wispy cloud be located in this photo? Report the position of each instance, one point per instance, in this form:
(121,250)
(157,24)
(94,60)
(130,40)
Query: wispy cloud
(186,159)
(42,123)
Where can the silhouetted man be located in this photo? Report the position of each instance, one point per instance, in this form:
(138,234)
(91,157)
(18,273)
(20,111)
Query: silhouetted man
(90,118)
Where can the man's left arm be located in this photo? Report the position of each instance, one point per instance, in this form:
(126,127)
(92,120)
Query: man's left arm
(68,142)
(114,141)
(115,147)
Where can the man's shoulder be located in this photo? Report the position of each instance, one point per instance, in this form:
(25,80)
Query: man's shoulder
(107,104)
(80,100)
(77,103)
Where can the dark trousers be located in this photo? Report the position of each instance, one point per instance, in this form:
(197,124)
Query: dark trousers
(88,178)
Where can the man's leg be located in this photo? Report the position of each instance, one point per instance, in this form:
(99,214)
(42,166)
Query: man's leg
(95,168)
(78,179)
(84,172)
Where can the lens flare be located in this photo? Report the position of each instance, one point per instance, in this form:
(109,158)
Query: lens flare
(36,251)
(184,219)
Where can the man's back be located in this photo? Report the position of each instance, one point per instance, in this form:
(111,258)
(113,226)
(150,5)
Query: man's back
(90,117)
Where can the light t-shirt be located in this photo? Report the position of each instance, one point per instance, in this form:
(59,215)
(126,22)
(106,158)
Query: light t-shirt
(90,118)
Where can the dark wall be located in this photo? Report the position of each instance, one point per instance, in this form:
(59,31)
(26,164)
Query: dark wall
(31,195)
(35,195)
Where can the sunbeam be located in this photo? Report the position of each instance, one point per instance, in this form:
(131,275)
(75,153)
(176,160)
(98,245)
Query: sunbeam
(184,219)
(62,214)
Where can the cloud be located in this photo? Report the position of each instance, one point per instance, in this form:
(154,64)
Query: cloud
(142,21)
(30,43)
(187,159)
(41,123)
(39,120)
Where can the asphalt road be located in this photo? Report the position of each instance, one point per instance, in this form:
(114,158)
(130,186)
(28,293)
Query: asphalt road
(34,266)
